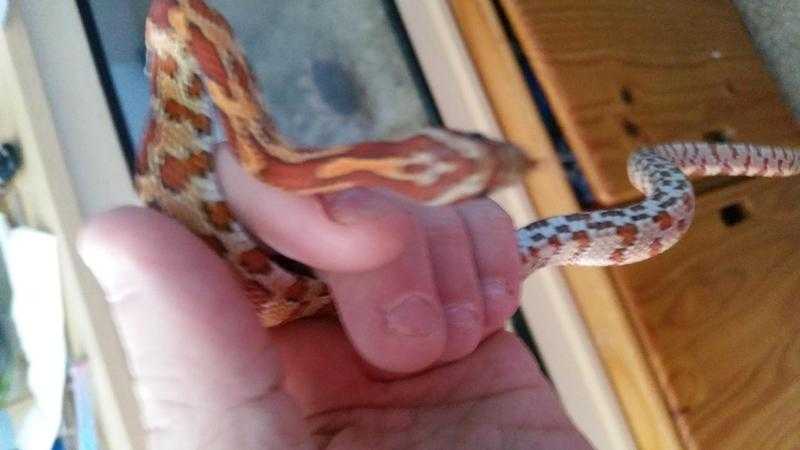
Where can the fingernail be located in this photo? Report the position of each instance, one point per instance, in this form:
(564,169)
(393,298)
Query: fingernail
(413,316)
(461,315)
(352,206)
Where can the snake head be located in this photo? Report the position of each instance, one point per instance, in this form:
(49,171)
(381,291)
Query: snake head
(489,163)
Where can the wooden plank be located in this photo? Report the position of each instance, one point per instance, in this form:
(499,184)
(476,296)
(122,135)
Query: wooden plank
(513,104)
(614,339)
(718,314)
(625,73)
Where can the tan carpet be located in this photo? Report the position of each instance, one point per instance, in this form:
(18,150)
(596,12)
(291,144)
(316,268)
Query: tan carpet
(775,26)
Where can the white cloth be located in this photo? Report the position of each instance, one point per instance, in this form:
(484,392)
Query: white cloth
(37,310)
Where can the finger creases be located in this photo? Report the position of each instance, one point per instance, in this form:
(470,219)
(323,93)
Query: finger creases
(495,249)
(454,268)
(393,314)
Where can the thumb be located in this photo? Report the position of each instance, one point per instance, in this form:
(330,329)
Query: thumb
(204,369)
(350,231)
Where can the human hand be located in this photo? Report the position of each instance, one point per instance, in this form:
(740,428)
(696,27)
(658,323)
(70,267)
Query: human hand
(439,373)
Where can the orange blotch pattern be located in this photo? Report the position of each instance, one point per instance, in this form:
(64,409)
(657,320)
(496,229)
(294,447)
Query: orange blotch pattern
(206,54)
(664,220)
(628,234)
(255,261)
(175,173)
(180,113)
(219,215)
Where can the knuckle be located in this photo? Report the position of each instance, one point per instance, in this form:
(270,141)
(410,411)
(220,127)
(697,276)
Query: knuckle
(445,226)
(486,213)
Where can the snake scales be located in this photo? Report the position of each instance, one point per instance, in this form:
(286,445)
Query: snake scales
(200,80)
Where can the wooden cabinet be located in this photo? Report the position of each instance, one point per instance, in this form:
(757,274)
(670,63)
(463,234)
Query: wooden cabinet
(701,343)
(718,316)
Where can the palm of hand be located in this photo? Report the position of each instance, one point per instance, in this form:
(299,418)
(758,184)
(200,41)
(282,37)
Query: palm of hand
(209,376)
(325,397)
(495,398)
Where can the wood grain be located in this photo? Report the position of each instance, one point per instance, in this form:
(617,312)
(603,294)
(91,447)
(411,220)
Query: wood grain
(613,337)
(621,74)
(513,104)
(719,317)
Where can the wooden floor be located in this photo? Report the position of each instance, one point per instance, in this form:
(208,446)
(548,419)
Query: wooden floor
(718,317)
